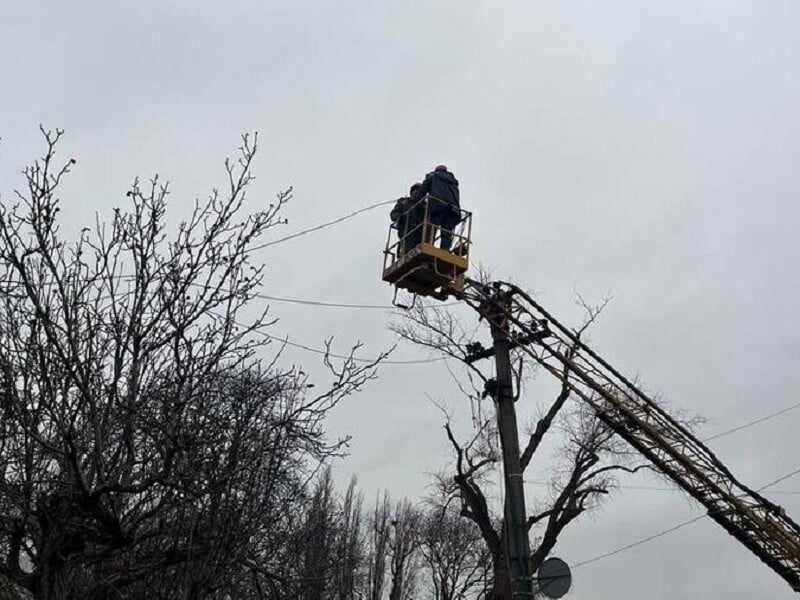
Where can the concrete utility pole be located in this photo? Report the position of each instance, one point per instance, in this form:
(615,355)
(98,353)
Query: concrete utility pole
(516,526)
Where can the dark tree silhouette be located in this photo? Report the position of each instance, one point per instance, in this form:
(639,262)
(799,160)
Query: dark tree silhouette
(455,558)
(148,447)
(591,454)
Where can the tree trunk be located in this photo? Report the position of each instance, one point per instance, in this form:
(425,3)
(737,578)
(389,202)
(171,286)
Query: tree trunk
(501,586)
(51,581)
(396,592)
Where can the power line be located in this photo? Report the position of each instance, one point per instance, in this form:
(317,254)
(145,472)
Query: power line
(332,304)
(310,348)
(674,527)
(325,303)
(656,488)
(639,542)
(779,480)
(322,225)
(304,301)
(344,357)
(321,303)
(756,422)
(699,517)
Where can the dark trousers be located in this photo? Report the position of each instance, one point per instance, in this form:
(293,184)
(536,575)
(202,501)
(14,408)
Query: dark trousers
(449,223)
(413,240)
(411,237)
(446,221)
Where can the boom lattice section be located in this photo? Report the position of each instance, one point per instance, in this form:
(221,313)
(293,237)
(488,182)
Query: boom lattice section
(756,522)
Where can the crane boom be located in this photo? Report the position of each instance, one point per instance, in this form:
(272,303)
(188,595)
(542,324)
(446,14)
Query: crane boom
(759,524)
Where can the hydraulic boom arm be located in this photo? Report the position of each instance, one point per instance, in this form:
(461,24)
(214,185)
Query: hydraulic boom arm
(759,524)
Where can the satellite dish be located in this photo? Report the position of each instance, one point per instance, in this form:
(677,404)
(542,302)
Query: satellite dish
(554,578)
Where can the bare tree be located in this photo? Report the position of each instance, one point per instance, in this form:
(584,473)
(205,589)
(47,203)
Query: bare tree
(404,543)
(350,554)
(456,560)
(378,547)
(319,537)
(146,448)
(591,454)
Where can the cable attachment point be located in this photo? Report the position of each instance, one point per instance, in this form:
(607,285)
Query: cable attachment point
(490,388)
(476,351)
(493,389)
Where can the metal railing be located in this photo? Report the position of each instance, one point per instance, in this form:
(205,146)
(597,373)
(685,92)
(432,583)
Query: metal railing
(432,222)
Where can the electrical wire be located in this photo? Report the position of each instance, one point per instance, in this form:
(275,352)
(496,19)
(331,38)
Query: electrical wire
(322,225)
(325,303)
(699,517)
(674,527)
(747,425)
(284,340)
(756,422)
(304,232)
(304,301)
(655,488)
(779,480)
(344,357)
(639,542)
(330,304)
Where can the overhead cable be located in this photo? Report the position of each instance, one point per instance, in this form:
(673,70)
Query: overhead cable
(656,488)
(331,304)
(321,303)
(674,527)
(324,303)
(322,225)
(344,357)
(639,542)
(756,422)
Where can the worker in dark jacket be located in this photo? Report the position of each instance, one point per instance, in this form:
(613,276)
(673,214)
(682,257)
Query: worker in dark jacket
(399,219)
(407,218)
(444,212)
(416,214)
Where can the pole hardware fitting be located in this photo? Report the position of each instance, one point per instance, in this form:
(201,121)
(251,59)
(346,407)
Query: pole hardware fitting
(476,351)
(495,390)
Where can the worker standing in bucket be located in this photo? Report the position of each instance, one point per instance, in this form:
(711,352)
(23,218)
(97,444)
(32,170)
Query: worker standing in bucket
(407,216)
(444,211)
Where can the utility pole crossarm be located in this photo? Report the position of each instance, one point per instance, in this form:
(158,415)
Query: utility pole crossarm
(759,524)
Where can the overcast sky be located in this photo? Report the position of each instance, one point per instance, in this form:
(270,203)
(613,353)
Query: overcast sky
(646,149)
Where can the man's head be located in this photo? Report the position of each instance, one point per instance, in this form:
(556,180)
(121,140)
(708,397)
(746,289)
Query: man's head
(414,188)
(440,168)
